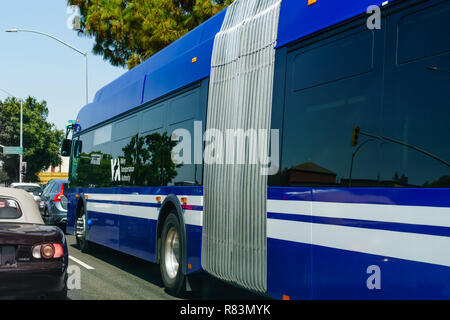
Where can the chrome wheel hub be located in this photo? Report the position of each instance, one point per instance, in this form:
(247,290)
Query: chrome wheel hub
(81,222)
(172,253)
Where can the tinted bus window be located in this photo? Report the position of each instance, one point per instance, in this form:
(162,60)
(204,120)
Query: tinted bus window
(183,111)
(93,167)
(416,108)
(333,86)
(137,150)
(423,33)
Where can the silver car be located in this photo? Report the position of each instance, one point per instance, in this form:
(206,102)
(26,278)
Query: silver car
(55,203)
(32,188)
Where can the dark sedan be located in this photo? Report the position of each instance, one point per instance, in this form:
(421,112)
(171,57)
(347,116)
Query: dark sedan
(33,256)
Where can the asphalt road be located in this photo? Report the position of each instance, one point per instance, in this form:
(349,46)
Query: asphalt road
(107,274)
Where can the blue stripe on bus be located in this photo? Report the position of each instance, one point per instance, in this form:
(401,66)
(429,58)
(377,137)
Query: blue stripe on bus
(428,197)
(379,225)
(128,203)
(299,194)
(156,191)
(144,204)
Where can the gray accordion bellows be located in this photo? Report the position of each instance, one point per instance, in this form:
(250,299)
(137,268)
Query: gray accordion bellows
(240,97)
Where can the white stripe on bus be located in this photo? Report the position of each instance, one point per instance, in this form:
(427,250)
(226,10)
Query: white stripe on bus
(191,200)
(191,217)
(401,245)
(429,216)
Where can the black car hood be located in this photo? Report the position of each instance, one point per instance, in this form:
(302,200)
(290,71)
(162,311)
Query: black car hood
(28,234)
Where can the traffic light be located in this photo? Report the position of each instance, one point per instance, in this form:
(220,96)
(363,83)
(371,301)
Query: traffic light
(355,136)
(24,167)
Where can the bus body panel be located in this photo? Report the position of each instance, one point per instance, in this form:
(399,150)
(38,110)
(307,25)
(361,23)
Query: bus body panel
(125,219)
(299,18)
(326,240)
(322,242)
(332,252)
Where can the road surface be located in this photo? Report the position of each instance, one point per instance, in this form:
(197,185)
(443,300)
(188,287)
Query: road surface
(107,274)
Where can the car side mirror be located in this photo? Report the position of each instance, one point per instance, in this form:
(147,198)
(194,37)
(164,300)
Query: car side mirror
(66,147)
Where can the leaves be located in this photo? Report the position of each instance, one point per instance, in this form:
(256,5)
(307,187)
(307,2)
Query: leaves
(3,175)
(128,32)
(41,139)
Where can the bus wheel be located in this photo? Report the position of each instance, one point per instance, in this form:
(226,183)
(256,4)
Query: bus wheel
(171,255)
(80,233)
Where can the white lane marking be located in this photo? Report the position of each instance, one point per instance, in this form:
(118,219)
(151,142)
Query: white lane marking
(402,245)
(81,263)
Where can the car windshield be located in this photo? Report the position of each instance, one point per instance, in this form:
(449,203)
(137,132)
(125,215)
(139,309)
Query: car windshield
(9,209)
(31,189)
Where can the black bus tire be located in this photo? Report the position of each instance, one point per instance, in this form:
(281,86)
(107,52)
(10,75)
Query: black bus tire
(172,255)
(81,231)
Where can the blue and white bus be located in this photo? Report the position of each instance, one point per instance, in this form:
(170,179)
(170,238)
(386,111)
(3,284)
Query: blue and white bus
(330,218)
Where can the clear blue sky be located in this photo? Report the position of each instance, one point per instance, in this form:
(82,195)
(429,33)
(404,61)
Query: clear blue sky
(35,65)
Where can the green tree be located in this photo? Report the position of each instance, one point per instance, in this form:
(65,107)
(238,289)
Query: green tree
(129,32)
(136,155)
(151,158)
(162,168)
(41,139)
(87,174)
(3,176)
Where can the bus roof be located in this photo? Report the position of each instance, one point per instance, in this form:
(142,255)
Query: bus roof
(189,58)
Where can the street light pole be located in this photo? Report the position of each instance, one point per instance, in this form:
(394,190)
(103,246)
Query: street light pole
(86,72)
(85,54)
(21,134)
(21,141)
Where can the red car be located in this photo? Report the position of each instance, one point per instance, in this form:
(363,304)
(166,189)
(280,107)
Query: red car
(33,256)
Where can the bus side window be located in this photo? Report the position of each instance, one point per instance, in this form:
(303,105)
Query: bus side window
(333,85)
(416,107)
